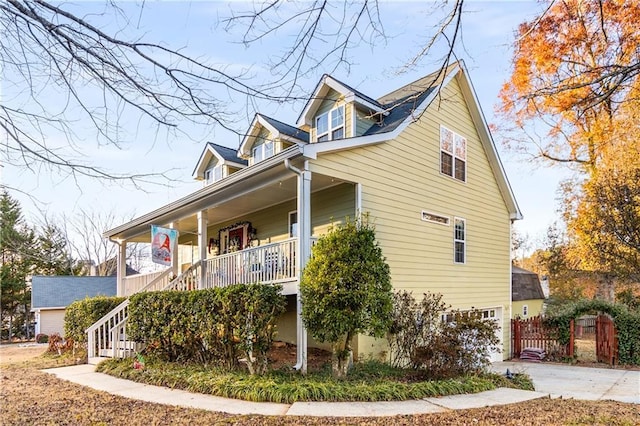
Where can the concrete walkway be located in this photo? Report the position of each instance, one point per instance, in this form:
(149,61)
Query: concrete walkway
(565,381)
(549,379)
(86,376)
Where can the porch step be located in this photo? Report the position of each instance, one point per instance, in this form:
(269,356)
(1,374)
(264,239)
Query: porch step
(96,360)
(124,349)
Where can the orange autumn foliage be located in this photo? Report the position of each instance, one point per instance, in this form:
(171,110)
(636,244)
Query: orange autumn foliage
(574,67)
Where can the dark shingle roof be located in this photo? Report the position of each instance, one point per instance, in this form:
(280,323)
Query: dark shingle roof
(61,291)
(402,102)
(358,93)
(287,129)
(525,285)
(227,153)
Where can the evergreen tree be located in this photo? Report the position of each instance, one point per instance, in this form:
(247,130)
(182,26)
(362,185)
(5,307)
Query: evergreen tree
(16,245)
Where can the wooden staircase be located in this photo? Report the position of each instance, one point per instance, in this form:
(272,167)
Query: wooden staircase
(107,337)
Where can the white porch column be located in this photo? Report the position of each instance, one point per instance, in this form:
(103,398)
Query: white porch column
(202,245)
(175,266)
(121,267)
(304,252)
(358,190)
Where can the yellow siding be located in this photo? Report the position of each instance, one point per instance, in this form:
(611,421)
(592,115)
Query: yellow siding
(328,206)
(400,178)
(534,307)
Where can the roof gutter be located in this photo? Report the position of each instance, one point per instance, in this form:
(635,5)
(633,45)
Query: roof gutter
(207,191)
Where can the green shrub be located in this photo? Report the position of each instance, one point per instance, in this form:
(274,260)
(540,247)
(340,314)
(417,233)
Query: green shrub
(42,338)
(414,325)
(419,338)
(81,314)
(216,325)
(346,289)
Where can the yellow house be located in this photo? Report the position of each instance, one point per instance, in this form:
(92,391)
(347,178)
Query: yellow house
(420,160)
(527,295)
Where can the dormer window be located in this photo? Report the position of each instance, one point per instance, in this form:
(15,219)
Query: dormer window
(213,174)
(262,151)
(330,125)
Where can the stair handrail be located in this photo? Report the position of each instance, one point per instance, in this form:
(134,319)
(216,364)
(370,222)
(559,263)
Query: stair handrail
(156,280)
(114,314)
(177,280)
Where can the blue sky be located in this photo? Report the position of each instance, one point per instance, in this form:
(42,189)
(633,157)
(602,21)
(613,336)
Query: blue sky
(488,31)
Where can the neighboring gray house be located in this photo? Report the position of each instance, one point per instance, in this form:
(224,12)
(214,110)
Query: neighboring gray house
(50,296)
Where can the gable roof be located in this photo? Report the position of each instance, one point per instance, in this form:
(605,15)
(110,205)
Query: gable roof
(525,285)
(277,128)
(328,82)
(61,291)
(407,104)
(222,153)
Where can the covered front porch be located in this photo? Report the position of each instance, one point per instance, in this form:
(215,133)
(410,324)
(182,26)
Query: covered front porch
(247,228)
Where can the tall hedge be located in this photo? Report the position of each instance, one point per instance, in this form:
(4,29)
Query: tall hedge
(217,325)
(82,314)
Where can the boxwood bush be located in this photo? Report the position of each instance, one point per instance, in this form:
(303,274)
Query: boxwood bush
(218,325)
(81,314)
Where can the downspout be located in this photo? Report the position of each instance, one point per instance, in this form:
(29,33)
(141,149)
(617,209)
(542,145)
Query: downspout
(303,253)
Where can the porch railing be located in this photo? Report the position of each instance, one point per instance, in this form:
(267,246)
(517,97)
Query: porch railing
(269,263)
(137,283)
(188,280)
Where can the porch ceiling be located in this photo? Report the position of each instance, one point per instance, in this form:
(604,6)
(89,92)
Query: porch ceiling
(256,192)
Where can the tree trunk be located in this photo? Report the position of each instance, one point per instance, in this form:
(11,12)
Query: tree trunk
(341,360)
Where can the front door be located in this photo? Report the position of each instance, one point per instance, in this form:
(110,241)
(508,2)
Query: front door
(236,239)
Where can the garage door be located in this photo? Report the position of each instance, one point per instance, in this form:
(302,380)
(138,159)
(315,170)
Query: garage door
(495,314)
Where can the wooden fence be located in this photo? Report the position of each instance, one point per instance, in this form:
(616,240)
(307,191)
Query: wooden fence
(532,333)
(606,340)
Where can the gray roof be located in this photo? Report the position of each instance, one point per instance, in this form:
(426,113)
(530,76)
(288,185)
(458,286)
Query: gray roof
(227,153)
(403,101)
(357,92)
(287,129)
(61,291)
(525,285)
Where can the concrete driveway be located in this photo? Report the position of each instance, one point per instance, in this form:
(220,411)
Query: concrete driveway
(585,383)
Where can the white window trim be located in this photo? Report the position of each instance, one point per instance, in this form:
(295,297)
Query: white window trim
(455,240)
(210,174)
(453,155)
(261,147)
(447,222)
(330,128)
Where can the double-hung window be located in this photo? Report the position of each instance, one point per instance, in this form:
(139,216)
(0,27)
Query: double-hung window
(213,174)
(459,240)
(262,151)
(330,125)
(453,154)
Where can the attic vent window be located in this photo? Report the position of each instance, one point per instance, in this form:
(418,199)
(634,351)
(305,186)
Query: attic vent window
(453,154)
(435,218)
(330,125)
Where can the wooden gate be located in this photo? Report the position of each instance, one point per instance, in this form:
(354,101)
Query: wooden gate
(532,333)
(606,340)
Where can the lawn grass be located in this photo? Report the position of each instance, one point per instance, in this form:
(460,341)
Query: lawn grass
(369,381)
